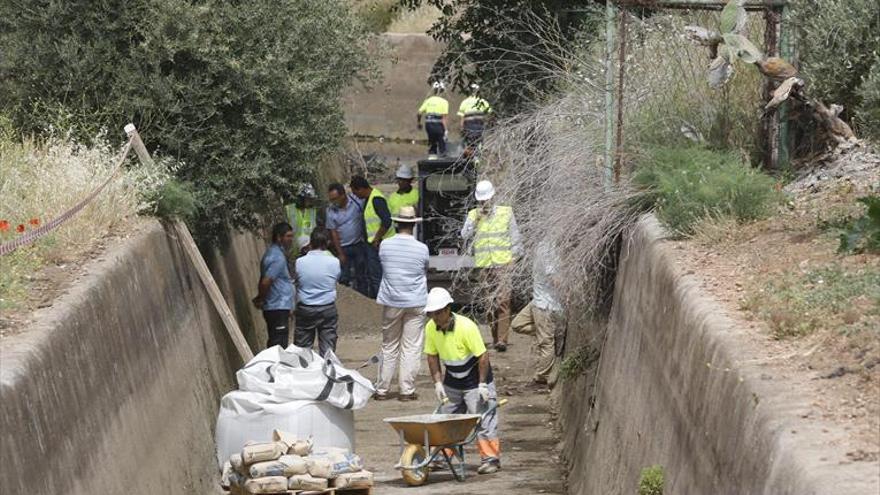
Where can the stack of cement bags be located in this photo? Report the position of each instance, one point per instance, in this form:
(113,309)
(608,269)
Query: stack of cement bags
(287,463)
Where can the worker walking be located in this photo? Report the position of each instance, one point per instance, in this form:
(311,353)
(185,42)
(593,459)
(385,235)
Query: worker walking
(275,289)
(403,295)
(435,108)
(406,194)
(496,242)
(345,222)
(302,214)
(543,317)
(377,221)
(473,111)
(467,383)
(316,275)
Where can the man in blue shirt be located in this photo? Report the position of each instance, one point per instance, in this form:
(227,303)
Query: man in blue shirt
(275,290)
(345,222)
(316,275)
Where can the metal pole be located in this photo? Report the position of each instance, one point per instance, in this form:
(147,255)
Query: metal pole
(786,52)
(609,92)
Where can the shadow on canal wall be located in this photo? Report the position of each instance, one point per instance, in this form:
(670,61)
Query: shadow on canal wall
(115,388)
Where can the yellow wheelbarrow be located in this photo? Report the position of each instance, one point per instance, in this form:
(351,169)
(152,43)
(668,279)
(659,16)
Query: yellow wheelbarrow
(427,438)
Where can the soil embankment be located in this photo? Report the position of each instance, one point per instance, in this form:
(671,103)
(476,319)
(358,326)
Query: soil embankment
(115,388)
(674,386)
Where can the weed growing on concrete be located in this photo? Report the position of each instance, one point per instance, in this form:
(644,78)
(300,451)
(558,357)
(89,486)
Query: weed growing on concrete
(576,362)
(652,480)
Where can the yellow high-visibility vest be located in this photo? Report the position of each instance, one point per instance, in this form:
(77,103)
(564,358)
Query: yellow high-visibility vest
(434,105)
(473,105)
(492,243)
(303,221)
(372,220)
(398,200)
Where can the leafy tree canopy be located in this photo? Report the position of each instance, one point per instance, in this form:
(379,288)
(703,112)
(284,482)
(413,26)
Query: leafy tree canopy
(245,94)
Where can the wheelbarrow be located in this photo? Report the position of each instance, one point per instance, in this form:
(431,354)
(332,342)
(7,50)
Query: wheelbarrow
(427,438)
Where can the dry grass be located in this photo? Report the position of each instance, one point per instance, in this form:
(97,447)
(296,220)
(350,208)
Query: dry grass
(414,21)
(40,180)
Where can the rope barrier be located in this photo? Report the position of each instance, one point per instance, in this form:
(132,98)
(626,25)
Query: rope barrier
(32,236)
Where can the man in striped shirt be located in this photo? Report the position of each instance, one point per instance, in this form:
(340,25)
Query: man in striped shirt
(403,293)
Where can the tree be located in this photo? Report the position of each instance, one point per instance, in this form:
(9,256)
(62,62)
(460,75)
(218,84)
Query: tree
(244,94)
(512,49)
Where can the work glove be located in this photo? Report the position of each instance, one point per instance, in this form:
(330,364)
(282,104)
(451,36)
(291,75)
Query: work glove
(440,392)
(484,391)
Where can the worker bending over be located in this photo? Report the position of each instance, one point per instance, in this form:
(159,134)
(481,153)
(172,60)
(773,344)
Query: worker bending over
(496,243)
(467,385)
(473,112)
(435,109)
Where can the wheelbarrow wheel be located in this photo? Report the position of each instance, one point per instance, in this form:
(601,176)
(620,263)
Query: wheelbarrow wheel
(414,454)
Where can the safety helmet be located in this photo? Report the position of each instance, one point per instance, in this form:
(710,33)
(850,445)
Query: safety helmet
(306,191)
(475,87)
(438,299)
(438,85)
(404,172)
(484,191)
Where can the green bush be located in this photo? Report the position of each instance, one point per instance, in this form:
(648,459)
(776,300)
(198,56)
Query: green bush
(692,183)
(576,363)
(863,234)
(173,200)
(837,42)
(652,480)
(245,94)
(377,15)
(868,114)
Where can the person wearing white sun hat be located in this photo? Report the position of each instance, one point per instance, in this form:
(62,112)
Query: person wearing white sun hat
(403,293)
(466,385)
(495,242)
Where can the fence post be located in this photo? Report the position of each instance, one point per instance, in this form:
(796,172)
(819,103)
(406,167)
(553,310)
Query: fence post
(195,257)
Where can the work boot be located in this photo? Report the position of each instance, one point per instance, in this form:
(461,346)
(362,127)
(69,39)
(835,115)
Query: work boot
(408,397)
(378,396)
(501,347)
(489,467)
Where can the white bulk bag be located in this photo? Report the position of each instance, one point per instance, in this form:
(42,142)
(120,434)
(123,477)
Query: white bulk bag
(293,390)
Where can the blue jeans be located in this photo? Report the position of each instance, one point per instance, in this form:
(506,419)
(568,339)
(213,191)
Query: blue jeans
(374,271)
(354,271)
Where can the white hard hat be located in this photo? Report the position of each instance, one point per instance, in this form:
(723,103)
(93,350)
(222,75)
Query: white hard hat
(485,190)
(404,172)
(438,85)
(438,299)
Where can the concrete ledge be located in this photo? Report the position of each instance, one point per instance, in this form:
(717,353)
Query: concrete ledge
(116,389)
(671,388)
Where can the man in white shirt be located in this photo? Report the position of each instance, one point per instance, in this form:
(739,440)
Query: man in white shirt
(403,293)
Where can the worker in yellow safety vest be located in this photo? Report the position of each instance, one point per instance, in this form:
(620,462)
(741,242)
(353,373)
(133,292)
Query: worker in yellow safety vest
(473,111)
(406,194)
(377,223)
(435,108)
(496,243)
(302,214)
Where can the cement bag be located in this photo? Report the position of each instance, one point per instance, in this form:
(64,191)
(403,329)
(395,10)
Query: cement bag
(306,482)
(332,464)
(260,452)
(295,446)
(286,465)
(270,484)
(360,479)
(237,464)
(245,416)
(296,373)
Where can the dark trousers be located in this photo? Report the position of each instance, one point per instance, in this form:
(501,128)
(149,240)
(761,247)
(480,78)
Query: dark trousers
(277,326)
(316,320)
(436,138)
(472,131)
(374,271)
(354,271)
